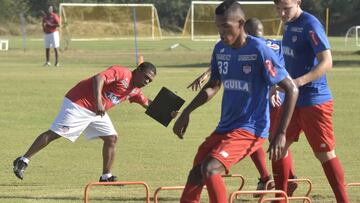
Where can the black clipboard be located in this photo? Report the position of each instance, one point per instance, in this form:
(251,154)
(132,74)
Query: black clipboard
(163,104)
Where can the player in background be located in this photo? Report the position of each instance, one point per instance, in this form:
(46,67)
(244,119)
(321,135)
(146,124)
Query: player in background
(307,58)
(50,22)
(84,111)
(246,68)
(254,27)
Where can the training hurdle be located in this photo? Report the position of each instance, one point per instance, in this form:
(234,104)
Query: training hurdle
(352,184)
(122,183)
(156,193)
(262,199)
(306,197)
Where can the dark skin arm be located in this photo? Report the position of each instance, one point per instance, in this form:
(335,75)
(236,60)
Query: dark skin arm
(98,84)
(207,93)
(277,144)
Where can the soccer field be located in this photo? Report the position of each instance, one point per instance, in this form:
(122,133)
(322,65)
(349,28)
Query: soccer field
(31,96)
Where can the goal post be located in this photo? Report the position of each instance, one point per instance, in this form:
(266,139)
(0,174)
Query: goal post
(352,36)
(200,21)
(87,21)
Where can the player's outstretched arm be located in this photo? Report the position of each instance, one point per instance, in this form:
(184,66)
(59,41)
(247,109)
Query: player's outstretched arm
(98,83)
(277,145)
(207,93)
(196,84)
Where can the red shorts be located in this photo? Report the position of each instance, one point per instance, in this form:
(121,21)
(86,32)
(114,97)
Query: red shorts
(229,148)
(316,122)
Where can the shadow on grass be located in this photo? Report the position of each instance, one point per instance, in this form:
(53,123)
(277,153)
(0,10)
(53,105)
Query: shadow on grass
(350,63)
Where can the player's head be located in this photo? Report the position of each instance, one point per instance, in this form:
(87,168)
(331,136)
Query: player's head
(50,9)
(254,27)
(230,20)
(289,10)
(144,74)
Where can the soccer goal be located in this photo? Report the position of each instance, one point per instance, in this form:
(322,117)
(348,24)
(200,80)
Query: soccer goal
(85,21)
(352,36)
(200,25)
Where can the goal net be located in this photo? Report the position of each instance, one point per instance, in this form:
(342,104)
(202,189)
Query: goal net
(352,36)
(83,21)
(200,20)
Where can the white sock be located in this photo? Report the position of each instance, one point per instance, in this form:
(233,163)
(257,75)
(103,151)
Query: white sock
(106,176)
(24,159)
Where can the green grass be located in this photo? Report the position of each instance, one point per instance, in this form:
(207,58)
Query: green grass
(31,97)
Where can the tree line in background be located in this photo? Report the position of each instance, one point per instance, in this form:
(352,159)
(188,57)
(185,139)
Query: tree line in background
(343,13)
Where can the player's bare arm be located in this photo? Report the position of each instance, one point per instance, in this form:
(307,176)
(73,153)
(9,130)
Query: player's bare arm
(277,145)
(207,93)
(196,84)
(98,83)
(325,63)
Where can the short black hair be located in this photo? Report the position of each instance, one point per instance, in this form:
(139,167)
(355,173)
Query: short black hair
(147,66)
(229,7)
(251,26)
(225,6)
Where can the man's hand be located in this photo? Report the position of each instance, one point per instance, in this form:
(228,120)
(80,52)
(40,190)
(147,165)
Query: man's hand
(277,147)
(197,83)
(181,125)
(100,109)
(275,99)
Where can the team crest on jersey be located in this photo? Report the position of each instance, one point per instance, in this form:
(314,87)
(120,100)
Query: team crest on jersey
(222,50)
(247,69)
(270,67)
(294,38)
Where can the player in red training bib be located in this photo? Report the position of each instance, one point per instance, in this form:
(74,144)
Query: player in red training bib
(246,68)
(84,111)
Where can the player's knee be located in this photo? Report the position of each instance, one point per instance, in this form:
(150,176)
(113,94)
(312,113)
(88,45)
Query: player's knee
(195,176)
(325,156)
(110,140)
(211,166)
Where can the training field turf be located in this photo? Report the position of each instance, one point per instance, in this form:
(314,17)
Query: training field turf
(31,96)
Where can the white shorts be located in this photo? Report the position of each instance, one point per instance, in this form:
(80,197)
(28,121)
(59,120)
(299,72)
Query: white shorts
(73,120)
(52,40)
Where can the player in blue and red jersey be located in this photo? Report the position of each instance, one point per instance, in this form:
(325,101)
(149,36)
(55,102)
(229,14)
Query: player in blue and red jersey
(254,27)
(247,69)
(308,57)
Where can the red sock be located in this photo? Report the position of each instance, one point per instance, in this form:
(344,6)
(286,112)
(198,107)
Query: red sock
(335,176)
(259,160)
(191,193)
(216,189)
(281,169)
(292,170)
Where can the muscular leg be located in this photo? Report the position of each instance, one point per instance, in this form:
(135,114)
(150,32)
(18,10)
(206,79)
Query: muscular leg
(334,173)
(56,56)
(258,157)
(281,169)
(47,54)
(40,142)
(211,171)
(108,152)
(193,187)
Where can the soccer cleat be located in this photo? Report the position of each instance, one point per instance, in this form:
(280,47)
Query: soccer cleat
(291,187)
(110,179)
(57,64)
(47,64)
(19,168)
(261,185)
